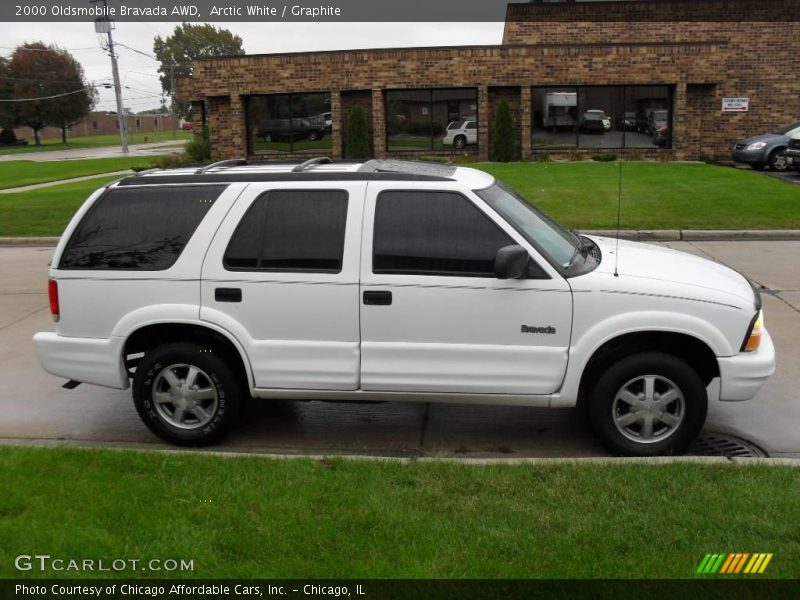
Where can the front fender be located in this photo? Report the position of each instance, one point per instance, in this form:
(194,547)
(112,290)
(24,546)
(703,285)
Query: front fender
(584,347)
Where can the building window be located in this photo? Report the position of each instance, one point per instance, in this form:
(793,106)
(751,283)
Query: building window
(94,124)
(432,119)
(289,123)
(602,117)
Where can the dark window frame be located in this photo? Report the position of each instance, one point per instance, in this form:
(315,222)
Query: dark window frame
(254,204)
(579,90)
(430,104)
(247,113)
(433,273)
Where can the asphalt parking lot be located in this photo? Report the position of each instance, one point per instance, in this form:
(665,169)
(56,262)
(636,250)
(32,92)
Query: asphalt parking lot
(35,408)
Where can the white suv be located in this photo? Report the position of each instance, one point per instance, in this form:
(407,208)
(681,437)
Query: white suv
(387,280)
(460,134)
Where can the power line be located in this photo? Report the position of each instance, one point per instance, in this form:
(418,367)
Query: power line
(46,97)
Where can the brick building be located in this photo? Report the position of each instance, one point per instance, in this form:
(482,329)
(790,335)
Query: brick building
(104,123)
(643,76)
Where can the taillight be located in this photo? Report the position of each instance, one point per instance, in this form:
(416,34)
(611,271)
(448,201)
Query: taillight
(52,292)
(753,339)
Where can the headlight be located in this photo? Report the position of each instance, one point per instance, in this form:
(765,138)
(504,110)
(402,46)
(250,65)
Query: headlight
(753,339)
(756,146)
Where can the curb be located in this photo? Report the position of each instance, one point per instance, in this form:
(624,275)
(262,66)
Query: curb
(698,235)
(256,455)
(643,235)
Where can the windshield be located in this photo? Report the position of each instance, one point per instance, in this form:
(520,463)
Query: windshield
(539,229)
(788,129)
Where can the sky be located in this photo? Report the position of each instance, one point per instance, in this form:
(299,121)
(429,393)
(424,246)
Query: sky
(138,73)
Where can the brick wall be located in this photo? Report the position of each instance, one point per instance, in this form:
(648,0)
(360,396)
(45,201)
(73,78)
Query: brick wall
(705,49)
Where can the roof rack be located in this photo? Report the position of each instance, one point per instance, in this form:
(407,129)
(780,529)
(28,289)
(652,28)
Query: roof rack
(412,167)
(311,162)
(221,163)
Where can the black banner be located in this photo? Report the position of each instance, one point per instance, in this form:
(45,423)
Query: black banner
(708,588)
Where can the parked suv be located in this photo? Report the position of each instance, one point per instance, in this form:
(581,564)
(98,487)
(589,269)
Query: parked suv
(387,280)
(459,134)
(285,130)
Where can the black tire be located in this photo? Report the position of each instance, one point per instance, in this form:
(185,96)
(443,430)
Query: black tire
(758,166)
(778,161)
(312,136)
(213,374)
(460,142)
(267,137)
(689,412)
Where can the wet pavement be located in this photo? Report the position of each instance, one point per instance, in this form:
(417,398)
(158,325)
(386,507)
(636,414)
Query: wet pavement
(34,407)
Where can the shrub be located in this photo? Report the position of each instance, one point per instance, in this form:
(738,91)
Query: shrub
(199,148)
(575,156)
(504,140)
(8,137)
(357,139)
(604,157)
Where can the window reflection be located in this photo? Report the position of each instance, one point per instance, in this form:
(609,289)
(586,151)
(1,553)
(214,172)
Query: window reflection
(289,123)
(439,120)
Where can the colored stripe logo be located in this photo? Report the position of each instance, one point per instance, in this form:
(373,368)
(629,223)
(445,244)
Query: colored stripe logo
(734,562)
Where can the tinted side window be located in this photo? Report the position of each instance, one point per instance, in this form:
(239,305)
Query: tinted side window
(291,230)
(142,228)
(434,233)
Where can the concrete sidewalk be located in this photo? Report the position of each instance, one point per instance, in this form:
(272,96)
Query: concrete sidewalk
(47,184)
(35,408)
(150,149)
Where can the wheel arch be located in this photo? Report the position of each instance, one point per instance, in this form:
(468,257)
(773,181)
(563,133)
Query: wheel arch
(697,353)
(149,336)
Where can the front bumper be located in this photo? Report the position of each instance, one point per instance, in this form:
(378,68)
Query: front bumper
(743,375)
(88,360)
(749,157)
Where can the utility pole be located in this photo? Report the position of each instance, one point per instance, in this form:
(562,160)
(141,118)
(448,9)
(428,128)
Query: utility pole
(104,25)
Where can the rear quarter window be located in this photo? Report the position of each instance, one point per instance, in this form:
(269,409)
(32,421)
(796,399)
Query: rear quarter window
(138,228)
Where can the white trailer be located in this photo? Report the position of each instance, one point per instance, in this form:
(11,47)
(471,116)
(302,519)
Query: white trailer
(559,109)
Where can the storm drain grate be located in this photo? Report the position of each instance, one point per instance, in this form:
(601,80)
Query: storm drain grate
(716,444)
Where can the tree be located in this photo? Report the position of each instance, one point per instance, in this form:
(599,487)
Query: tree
(37,70)
(504,136)
(357,135)
(175,53)
(8,118)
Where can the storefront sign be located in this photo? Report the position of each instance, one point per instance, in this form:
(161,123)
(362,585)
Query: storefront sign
(735,104)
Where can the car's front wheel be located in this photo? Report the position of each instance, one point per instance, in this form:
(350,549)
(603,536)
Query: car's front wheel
(778,161)
(648,404)
(267,137)
(460,142)
(186,394)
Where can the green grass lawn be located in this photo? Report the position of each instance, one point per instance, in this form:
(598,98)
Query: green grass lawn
(18,173)
(580,195)
(45,211)
(242,517)
(96,141)
(655,195)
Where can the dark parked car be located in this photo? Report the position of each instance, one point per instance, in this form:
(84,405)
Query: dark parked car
(286,130)
(767,149)
(793,151)
(595,121)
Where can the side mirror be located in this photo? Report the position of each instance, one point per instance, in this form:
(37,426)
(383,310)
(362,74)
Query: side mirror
(511,262)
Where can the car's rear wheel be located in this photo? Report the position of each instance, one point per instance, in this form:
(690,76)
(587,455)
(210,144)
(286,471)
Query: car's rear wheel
(186,394)
(460,142)
(267,137)
(778,160)
(648,404)
(312,136)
